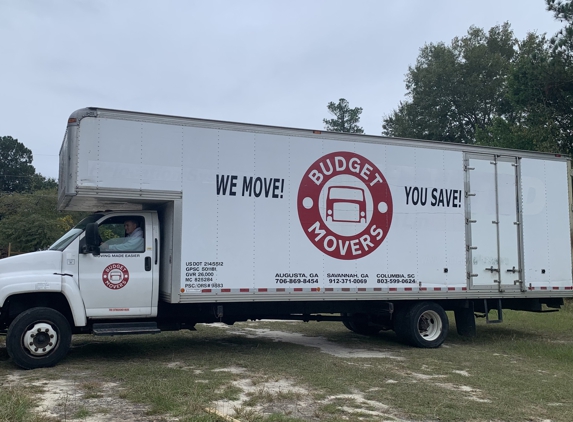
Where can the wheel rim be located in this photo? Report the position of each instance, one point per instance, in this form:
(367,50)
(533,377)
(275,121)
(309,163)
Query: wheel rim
(40,339)
(430,325)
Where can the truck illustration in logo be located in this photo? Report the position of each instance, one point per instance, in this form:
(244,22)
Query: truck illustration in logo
(345,203)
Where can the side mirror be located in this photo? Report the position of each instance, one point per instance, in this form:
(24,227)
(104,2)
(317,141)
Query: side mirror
(92,239)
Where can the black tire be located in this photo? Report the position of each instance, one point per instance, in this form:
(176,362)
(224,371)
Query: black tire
(30,338)
(346,323)
(466,321)
(422,324)
(360,325)
(399,323)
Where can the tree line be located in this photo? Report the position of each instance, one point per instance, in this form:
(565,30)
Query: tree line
(29,219)
(486,88)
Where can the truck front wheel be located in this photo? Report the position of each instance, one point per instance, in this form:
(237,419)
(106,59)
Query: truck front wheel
(422,324)
(38,338)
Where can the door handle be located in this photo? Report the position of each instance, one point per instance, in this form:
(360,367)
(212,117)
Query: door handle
(147,263)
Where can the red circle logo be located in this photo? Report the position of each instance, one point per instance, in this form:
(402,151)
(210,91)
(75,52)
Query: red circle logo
(115,276)
(345,205)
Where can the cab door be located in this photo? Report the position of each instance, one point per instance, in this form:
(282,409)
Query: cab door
(120,281)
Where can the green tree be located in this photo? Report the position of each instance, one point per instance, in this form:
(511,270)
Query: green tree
(345,118)
(455,90)
(40,182)
(16,169)
(562,41)
(539,93)
(492,89)
(31,221)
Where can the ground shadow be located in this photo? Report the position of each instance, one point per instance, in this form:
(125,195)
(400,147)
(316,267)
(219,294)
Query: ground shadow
(214,342)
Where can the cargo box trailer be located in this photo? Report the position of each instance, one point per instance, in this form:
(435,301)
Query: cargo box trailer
(199,221)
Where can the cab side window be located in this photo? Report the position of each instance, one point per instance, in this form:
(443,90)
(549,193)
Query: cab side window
(122,234)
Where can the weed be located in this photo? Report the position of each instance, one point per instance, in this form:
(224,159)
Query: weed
(17,406)
(92,390)
(81,413)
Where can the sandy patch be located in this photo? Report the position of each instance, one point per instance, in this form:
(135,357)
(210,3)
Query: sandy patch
(454,387)
(282,396)
(321,343)
(183,367)
(474,398)
(231,369)
(82,398)
(474,393)
(470,393)
(425,376)
(273,391)
(12,379)
(180,365)
(360,400)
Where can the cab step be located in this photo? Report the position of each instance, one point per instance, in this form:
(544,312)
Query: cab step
(124,328)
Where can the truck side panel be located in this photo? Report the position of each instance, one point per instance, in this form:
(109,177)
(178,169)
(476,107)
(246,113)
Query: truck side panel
(257,213)
(125,154)
(246,229)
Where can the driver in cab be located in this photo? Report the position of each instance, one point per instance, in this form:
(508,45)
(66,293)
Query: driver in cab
(133,240)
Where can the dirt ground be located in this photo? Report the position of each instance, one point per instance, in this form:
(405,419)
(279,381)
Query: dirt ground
(82,396)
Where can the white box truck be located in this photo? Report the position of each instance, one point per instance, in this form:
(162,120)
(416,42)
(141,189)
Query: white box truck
(205,221)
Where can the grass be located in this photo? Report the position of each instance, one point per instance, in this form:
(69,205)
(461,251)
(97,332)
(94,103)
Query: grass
(82,413)
(16,405)
(518,370)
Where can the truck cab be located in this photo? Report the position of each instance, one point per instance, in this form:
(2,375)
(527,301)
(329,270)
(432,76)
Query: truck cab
(78,282)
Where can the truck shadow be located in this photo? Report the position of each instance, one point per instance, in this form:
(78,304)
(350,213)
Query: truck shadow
(214,344)
(3,352)
(186,345)
(493,334)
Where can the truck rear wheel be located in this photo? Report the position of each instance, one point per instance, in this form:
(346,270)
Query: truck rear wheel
(360,325)
(38,338)
(422,324)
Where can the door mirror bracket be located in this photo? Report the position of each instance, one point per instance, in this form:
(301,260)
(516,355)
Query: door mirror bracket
(93,240)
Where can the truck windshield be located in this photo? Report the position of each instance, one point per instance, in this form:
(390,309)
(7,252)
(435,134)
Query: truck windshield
(63,242)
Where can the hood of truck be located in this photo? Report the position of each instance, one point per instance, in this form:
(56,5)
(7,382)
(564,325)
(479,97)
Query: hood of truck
(31,263)
(30,272)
